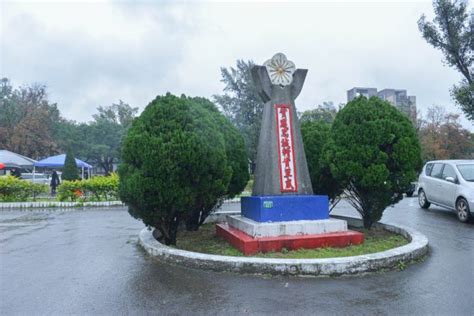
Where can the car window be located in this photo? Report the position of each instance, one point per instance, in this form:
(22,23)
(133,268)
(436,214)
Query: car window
(448,171)
(428,169)
(467,171)
(437,170)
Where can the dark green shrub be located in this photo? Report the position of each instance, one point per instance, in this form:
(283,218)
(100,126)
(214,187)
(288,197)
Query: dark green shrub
(70,172)
(315,135)
(374,153)
(237,160)
(173,158)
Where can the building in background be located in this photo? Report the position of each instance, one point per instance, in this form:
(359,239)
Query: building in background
(356,92)
(397,97)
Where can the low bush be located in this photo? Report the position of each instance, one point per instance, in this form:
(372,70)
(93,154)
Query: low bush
(70,190)
(35,189)
(94,189)
(13,189)
(102,188)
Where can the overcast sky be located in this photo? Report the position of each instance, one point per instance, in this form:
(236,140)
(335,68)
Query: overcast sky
(92,53)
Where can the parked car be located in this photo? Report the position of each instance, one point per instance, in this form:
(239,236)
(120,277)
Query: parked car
(450,184)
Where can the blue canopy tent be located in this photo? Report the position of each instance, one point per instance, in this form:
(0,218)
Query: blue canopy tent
(58,162)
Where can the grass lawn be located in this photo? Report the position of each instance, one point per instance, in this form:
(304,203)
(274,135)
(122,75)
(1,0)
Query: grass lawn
(206,241)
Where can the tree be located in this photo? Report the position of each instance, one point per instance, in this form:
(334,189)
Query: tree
(70,172)
(120,113)
(452,32)
(104,135)
(315,135)
(237,160)
(27,120)
(241,104)
(442,136)
(71,134)
(374,153)
(173,153)
(326,113)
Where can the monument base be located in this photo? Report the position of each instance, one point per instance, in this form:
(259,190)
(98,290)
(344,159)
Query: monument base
(250,245)
(289,228)
(277,208)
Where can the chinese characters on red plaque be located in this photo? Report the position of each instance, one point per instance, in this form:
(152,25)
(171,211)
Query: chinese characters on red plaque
(286,152)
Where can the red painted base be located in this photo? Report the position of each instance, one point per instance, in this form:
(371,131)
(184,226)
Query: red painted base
(249,245)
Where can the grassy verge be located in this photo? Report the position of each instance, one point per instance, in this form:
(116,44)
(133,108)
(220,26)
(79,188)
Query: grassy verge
(206,241)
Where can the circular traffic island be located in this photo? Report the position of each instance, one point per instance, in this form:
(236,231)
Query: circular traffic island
(386,247)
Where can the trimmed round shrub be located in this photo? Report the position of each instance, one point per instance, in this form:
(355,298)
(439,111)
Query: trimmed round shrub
(237,160)
(315,135)
(173,162)
(373,152)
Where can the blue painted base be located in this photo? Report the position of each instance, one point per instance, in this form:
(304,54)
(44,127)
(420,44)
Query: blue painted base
(280,208)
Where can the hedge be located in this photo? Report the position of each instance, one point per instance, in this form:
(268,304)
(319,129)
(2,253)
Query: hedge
(96,189)
(13,189)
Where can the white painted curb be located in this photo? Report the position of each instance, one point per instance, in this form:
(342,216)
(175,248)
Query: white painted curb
(23,205)
(417,248)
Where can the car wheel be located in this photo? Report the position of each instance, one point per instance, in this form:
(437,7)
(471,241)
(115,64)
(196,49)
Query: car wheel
(462,210)
(422,200)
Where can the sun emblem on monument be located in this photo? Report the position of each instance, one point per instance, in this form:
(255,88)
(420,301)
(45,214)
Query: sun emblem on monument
(280,70)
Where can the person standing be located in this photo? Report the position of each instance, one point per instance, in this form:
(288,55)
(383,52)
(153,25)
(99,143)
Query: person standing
(16,173)
(54,182)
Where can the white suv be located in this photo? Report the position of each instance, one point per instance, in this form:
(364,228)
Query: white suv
(448,183)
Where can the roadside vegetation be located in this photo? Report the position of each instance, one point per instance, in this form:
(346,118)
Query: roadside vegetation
(13,189)
(95,189)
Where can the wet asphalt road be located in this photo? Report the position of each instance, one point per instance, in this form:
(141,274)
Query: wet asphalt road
(88,262)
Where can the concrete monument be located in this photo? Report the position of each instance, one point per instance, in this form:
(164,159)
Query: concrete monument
(281,161)
(283,212)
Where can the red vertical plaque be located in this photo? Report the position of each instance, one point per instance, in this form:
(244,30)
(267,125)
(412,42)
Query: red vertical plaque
(286,148)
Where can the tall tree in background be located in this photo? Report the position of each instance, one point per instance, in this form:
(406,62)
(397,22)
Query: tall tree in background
(242,104)
(119,113)
(452,32)
(32,126)
(442,136)
(70,172)
(71,134)
(97,142)
(325,112)
(27,120)
(104,134)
